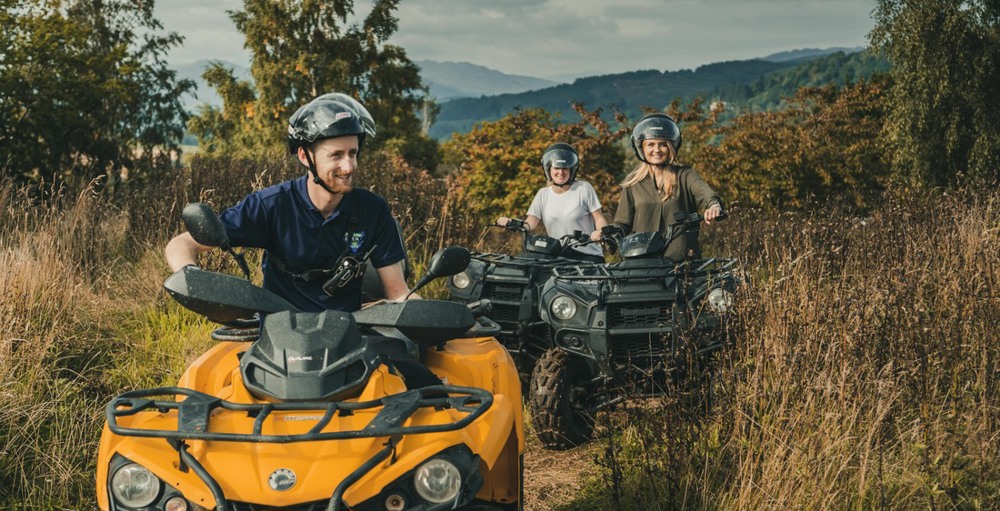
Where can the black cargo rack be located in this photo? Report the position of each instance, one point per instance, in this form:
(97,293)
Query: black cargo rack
(618,271)
(517,261)
(195,411)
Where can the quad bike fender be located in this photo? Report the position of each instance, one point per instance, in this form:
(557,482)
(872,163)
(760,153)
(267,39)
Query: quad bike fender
(209,374)
(503,479)
(484,363)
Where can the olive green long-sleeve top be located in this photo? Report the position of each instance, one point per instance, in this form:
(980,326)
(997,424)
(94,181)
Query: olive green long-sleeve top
(641,209)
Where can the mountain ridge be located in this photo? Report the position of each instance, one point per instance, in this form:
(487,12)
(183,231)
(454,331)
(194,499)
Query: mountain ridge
(743,83)
(448,80)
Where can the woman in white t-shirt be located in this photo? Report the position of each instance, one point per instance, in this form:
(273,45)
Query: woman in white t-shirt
(566,205)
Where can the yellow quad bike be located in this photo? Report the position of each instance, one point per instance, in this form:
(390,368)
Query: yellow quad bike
(400,406)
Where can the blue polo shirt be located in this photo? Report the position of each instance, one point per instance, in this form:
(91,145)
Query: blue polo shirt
(283,221)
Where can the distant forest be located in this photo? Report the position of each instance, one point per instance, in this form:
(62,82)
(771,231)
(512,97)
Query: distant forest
(743,85)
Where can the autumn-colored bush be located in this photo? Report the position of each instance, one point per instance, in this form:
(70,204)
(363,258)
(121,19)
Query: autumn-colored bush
(824,143)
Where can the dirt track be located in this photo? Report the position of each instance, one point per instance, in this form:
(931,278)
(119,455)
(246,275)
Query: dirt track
(554,477)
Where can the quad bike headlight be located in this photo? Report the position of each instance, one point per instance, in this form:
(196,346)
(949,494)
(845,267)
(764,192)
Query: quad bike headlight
(720,300)
(134,486)
(438,481)
(563,307)
(461,280)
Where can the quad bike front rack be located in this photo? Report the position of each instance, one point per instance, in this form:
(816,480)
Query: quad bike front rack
(195,410)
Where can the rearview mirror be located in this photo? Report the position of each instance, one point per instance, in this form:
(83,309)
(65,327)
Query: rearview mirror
(448,261)
(204,225)
(445,263)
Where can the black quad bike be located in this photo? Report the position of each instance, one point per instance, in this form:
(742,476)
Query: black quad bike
(400,406)
(512,284)
(623,330)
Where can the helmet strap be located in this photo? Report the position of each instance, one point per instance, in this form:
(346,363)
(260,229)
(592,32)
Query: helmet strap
(567,184)
(569,181)
(316,179)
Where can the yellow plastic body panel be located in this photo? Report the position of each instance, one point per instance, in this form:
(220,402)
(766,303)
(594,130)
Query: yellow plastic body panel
(242,469)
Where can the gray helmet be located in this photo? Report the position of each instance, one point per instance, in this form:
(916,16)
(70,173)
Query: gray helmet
(562,156)
(653,126)
(328,116)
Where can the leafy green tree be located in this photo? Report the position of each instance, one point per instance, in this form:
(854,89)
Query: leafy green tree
(85,90)
(301,49)
(498,169)
(944,115)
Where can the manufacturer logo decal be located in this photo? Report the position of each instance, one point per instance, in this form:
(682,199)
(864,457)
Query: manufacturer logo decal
(641,311)
(341,115)
(281,479)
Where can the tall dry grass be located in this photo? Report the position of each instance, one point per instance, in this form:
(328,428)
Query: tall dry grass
(63,261)
(864,372)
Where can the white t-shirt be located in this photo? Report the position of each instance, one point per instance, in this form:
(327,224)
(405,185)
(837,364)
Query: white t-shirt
(572,210)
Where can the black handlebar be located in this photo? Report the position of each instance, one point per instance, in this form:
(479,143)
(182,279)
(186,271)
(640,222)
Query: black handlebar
(613,234)
(514,224)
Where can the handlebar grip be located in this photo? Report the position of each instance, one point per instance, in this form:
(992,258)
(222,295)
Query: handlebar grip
(613,231)
(517,225)
(480,307)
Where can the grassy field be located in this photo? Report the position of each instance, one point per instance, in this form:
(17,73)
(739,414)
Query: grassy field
(864,371)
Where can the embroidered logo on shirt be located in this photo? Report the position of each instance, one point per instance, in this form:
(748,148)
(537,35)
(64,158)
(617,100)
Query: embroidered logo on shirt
(357,238)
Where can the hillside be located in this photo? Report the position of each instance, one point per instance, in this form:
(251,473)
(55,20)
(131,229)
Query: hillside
(808,53)
(450,80)
(758,83)
(767,91)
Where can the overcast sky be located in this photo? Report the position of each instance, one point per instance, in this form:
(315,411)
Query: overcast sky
(550,38)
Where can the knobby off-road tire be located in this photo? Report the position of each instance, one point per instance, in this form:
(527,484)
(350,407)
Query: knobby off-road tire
(560,388)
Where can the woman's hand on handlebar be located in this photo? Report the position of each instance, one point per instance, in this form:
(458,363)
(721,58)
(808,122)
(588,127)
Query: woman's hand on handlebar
(713,212)
(513,224)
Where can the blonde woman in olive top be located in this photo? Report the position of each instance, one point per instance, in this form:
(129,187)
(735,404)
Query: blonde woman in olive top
(659,187)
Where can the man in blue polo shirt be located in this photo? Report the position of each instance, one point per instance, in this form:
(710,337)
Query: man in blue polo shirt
(315,229)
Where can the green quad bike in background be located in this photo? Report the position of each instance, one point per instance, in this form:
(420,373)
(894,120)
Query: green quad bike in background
(625,330)
(512,285)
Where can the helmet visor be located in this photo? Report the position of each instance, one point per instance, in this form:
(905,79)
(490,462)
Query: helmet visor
(560,158)
(351,104)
